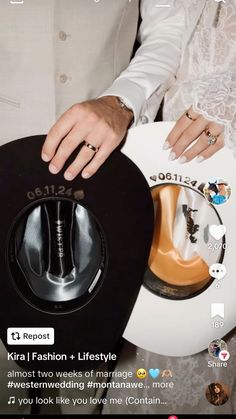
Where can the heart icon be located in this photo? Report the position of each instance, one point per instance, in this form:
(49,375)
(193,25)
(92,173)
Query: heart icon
(217,231)
(154,372)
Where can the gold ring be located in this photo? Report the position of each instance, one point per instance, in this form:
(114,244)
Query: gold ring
(211,138)
(91,147)
(189,116)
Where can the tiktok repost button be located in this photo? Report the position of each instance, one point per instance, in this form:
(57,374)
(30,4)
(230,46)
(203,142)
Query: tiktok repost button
(30,336)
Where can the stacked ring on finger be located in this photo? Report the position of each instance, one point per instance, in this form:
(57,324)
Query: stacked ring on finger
(189,116)
(211,137)
(91,147)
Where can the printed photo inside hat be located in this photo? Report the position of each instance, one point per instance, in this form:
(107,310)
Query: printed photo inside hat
(180,256)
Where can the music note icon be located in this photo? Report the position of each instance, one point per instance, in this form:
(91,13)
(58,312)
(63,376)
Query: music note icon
(12,400)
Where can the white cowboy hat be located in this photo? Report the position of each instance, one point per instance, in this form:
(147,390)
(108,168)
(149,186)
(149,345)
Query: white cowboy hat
(179,309)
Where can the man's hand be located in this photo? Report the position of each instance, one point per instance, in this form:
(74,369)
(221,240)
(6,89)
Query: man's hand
(190,128)
(102,123)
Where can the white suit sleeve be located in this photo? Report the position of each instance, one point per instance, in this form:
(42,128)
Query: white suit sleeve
(143,84)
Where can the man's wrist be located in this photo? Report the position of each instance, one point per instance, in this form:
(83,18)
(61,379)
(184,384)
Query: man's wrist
(124,106)
(119,104)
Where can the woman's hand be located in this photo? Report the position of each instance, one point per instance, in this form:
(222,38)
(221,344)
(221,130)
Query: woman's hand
(190,127)
(101,123)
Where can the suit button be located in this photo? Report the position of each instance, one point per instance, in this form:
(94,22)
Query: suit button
(63,78)
(144,119)
(62,35)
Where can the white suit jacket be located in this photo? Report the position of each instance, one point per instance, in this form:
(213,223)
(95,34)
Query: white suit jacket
(55,53)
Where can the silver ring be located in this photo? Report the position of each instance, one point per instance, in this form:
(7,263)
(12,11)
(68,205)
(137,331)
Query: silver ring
(211,138)
(189,116)
(91,147)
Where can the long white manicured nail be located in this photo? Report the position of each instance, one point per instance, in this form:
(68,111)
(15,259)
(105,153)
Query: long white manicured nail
(172,156)
(200,159)
(182,159)
(166,145)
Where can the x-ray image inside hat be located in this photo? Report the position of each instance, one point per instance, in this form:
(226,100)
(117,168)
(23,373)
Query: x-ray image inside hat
(58,255)
(176,312)
(72,254)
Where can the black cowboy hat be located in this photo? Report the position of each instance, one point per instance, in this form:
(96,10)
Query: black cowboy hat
(72,254)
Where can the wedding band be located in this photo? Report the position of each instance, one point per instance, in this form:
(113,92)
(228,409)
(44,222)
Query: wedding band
(189,116)
(91,147)
(211,138)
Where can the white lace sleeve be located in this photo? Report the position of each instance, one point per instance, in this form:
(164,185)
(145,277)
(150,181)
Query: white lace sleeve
(206,79)
(214,96)
(213,90)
